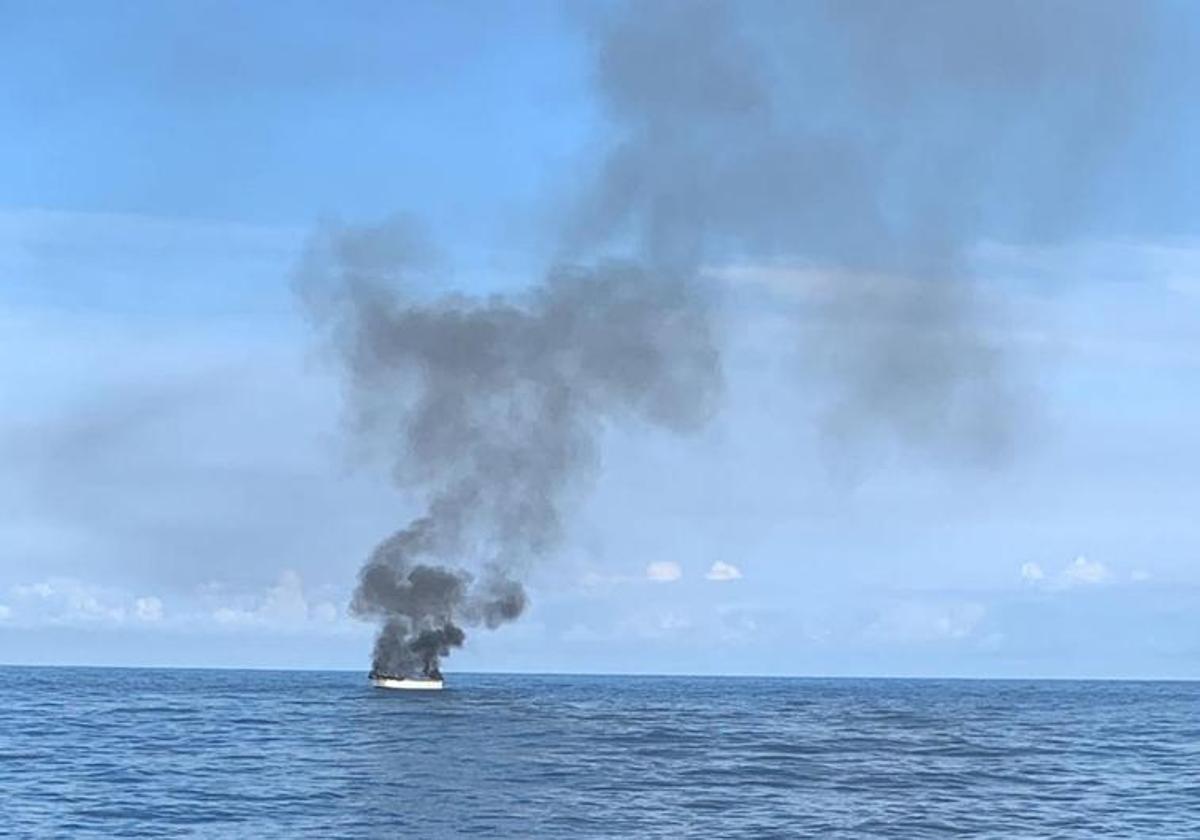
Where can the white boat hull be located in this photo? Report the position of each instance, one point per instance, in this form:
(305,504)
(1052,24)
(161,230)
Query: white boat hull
(407,684)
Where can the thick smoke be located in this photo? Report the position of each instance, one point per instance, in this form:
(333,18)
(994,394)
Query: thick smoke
(870,142)
(490,409)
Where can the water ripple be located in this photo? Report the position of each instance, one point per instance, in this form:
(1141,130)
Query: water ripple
(145,753)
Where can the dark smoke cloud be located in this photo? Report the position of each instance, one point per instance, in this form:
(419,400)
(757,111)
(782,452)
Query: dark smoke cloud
(490,410)
(877,142)
(420,603)
(872,141)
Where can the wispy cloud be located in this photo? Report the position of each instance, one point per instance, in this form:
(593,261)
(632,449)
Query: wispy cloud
(918,621)
(664,571)
(148,609)
(63,601)
(106,257)
(657,625)
(1100,321)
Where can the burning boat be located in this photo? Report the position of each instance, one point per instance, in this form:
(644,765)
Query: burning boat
(428,681)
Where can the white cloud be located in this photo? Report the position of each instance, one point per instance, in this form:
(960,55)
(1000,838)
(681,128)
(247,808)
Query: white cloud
(1139,576)
(5,612)
(1079,572)
(284,605)
(69,601)
(148,608)
(63,600)
(1084,571)
(721,570)
(664,571)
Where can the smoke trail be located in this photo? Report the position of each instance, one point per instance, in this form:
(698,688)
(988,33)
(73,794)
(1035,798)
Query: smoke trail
(872,141)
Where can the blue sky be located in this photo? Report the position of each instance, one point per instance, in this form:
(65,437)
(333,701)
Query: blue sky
(179,487)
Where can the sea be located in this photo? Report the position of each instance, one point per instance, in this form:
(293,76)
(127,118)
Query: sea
(93,752)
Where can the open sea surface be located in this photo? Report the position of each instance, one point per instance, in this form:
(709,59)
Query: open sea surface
(147,753)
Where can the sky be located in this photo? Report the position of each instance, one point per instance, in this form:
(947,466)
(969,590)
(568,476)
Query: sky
(180,482)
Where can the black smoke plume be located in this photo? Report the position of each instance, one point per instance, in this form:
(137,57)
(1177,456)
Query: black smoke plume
(871,141)
(490,410)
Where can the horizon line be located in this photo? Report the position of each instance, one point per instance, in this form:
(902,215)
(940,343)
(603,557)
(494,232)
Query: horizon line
(619,674)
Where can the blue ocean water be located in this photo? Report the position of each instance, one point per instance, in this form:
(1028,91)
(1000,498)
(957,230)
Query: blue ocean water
(116,753)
